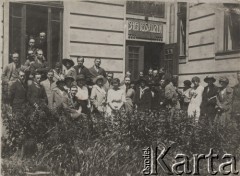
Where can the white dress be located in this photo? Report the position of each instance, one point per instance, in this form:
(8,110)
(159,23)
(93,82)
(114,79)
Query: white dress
(195,102)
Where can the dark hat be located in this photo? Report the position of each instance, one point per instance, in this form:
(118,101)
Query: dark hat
(209,78)
(80,77)
(60,81)
(224,79)
(187,83)
(58,65)
(99,77)
(65,60)
(69,77)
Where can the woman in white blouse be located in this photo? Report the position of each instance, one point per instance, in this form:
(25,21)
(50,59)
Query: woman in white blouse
(115,98)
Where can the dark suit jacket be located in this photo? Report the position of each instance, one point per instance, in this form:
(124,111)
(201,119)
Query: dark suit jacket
(36,94)
(83,71)
(94,73)
(145,101)
(36,66)
(208,106)
(17,94)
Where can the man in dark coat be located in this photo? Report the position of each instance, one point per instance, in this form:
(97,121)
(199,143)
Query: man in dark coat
(96,70)
(81,69)
(41,43)
(209,100)
(36,94)
(143,97)
(40,64)
(18,93)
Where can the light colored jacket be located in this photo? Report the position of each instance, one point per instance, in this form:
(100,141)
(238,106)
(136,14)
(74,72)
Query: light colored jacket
(98,98)
(49,90)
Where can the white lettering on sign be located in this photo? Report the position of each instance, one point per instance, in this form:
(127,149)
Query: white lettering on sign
(143,26)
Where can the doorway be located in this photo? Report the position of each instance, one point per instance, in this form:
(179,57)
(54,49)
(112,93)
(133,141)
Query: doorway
(27,20)
(140,56)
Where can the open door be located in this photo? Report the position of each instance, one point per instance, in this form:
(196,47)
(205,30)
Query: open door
(134,60)
(171,58)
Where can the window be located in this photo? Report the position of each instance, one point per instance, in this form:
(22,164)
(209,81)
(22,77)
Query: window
(133,56)
(28,19)
(151,8)
(182,23)
(232,27)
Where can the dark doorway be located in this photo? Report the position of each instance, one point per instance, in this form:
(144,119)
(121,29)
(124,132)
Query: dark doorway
(140,56)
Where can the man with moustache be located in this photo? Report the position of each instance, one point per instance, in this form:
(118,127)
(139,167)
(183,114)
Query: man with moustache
(96,70)
(18,92)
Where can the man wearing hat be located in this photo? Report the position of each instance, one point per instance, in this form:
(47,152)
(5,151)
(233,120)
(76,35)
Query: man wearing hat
(224,102)
(69,71)
(59,94)
(209,100)
(82,94)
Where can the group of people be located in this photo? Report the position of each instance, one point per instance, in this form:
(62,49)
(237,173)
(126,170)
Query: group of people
(84,91)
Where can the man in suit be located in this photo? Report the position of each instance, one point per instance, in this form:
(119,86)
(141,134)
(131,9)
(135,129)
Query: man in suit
(71,104)
(143,96)
(96,70)
(209,100)
(41,43)
(36,94)
(48,86)
(40,64)
(10,74)
(10,71)
(18,92)
(82,70)
(108,85)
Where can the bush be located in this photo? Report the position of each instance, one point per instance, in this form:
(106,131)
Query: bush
(96,145)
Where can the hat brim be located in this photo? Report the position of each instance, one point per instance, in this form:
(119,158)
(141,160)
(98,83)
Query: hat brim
(69,78)
(64,62)
(60,81)
(206,79)
(97,78)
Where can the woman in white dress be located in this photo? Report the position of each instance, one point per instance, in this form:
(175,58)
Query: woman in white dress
(196,99)
(115,98)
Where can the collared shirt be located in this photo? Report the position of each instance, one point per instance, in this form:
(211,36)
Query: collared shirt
(97,69)
(82,93)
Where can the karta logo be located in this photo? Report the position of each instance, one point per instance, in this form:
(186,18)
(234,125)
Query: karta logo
(155,163)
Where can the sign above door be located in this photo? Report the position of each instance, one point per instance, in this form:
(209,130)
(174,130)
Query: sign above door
(147,30)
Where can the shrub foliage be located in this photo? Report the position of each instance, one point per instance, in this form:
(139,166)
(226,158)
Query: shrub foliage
(44,140)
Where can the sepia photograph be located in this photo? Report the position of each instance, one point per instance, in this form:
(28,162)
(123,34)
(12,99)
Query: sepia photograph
(120,87)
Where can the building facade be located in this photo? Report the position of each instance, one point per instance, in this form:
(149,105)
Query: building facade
(186,39)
